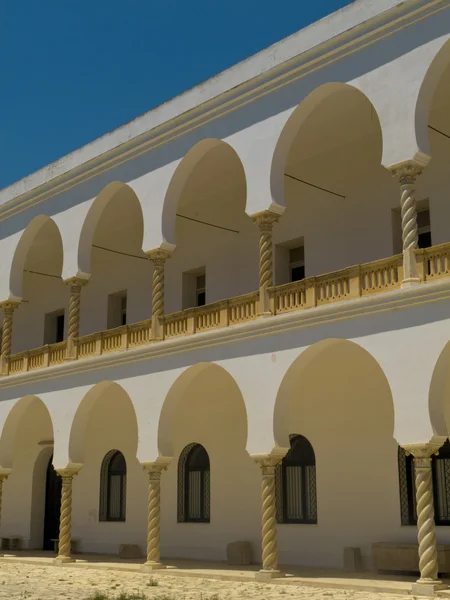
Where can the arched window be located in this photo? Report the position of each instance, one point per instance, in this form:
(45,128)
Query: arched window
(441,486)
(295,480)
(194,485)
(113,487)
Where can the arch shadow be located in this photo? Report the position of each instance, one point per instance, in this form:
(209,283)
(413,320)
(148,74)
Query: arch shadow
(180,178)
(292,129)
(94,216)
(40,225)
(81,419)
(180,388)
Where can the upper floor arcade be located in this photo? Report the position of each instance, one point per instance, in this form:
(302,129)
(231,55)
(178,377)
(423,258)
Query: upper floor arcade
(308,133)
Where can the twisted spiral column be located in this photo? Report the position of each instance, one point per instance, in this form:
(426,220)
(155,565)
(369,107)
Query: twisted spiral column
(428,561)
(75,284)
(407,174)
(428,558)
(154,513)
(65,520)
(267,463)
(158,258)
(7,330)
(265,221)
(269,520)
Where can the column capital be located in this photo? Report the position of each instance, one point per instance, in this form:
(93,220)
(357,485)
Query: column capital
(158,256)
(77,282)
(265,219)
(9,305)
(407,172)
(425,450)
(158,466)
(4,474)
(268,462)
(69,472)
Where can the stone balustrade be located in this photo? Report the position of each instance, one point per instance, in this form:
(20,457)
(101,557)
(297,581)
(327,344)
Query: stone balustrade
(351,283)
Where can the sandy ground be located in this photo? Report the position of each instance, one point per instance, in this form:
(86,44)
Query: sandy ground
(53,583)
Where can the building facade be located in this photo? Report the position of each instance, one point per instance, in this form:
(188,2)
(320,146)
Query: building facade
(228,320)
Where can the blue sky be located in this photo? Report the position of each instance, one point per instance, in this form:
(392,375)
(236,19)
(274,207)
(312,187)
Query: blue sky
(74,70)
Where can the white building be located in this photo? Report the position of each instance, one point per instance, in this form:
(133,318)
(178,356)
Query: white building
(314,147)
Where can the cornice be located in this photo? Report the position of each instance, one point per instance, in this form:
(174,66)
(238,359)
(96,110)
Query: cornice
(105,153)
(267,326)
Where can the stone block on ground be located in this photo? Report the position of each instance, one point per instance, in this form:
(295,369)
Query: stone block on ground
(239,553)
(130,551)
(353,560)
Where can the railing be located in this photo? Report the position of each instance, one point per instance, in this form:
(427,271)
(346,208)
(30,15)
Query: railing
(362,280)
(355,282)
(435,262)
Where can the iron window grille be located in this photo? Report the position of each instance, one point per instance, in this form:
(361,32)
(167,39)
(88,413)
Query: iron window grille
(295,484)
(113,487)
(194,485)
(440,466)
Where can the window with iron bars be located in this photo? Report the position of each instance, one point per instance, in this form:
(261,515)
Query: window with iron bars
(194,485)
(295,484)
(440,466)
(113,487)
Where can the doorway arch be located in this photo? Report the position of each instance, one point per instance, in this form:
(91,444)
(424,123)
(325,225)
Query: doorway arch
(52,509)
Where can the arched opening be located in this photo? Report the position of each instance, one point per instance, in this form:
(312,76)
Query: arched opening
(433,124)
(111,484)
(26,446)
(203,425)
(327,171)
(204,214)
(194,485)
(110,249)
(53,485)
(337,396)
(296,483)
(113,487)
(36,278)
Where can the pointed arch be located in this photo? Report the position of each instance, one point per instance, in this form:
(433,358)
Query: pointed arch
(43,230)
(111,192)
(180,178)
(425,98)
(293,127)
(27,405)
(186,384)
(115,394)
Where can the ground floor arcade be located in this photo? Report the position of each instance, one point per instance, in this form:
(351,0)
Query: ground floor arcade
(332,478)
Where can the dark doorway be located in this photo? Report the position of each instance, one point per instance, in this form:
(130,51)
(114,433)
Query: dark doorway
(53,486)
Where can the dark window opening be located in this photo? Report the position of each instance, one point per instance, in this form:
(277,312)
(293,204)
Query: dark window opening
(424,229)
(194,485)
(200,291)
(296,484)
(54,327)
(113,485)
(117,310)
(297,263)
(59,328)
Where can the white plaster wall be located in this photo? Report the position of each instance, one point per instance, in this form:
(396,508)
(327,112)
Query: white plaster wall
(24,491)
(340,403)
(211,412)
(112,425)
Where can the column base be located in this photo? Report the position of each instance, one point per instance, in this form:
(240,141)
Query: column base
(150,566)
(409,283)
(268,574)
(427,588)
(62,560)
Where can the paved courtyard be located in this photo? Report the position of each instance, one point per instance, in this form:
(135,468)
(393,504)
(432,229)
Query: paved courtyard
(53,583)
